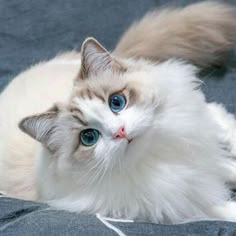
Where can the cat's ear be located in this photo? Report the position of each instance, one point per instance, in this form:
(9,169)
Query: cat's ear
(41,126)
(95,58)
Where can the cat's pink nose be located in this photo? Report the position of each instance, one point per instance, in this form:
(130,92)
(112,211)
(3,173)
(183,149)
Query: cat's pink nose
(120,133)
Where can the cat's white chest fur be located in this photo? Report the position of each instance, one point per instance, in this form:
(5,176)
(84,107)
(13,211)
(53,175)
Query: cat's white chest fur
(153,190)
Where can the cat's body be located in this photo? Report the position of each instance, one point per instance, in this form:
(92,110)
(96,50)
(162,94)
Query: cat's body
(171,164)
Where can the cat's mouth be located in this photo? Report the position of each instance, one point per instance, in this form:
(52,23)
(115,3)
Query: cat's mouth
(129,140)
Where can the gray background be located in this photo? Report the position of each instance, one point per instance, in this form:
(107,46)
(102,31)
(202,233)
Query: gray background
(31,31)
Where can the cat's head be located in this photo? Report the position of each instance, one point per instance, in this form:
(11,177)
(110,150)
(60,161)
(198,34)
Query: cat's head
(110,110)
(120,113)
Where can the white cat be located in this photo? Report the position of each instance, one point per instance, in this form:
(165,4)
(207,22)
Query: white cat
(131,138)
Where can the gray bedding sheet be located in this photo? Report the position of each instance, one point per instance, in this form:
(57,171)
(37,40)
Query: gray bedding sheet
(26,218)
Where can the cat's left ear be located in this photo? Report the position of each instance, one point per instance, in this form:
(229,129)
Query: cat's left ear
(95,58)
(41,127)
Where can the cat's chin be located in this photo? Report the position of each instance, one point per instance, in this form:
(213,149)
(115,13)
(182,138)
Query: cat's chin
(126,144)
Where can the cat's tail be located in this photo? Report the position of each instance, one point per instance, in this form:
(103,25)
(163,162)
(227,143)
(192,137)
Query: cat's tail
(200,33)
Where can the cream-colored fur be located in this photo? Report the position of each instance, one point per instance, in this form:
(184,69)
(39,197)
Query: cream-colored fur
(33,91)
(200,33)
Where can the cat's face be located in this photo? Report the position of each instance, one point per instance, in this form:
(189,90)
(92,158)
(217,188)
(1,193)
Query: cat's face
(109,113)
(112,114)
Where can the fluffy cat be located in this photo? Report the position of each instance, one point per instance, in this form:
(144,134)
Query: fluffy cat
(129,136)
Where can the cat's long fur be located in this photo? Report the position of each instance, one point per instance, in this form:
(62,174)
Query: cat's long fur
(200,33)
(174,170)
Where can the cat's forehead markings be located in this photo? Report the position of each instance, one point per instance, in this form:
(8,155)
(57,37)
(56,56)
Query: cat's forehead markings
(81,121)
(75,109)
(78,114)
(87,93)
(100,96)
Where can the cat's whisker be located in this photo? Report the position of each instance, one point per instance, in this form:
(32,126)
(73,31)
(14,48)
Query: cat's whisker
(106,171)
(98,171)
(119,161)
(204,78)
(101,178)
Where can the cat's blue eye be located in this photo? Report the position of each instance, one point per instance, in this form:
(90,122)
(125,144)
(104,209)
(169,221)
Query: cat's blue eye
(89,137)
(117,102)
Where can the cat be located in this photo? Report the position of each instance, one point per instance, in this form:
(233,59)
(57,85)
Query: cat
(126,134)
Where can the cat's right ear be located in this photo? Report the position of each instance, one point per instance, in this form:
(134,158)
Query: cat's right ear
(40,127)
(95,58)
